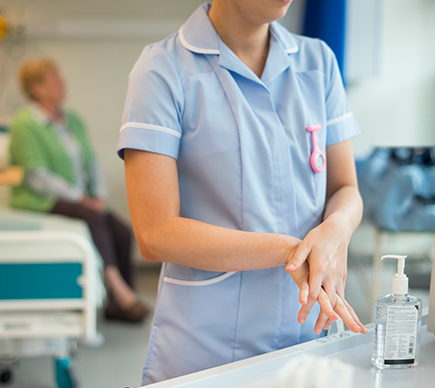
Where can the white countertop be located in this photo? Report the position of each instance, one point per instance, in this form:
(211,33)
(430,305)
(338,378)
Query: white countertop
(354,349)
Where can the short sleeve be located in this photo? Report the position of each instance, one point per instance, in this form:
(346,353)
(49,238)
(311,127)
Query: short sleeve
(154,104)
(340,122)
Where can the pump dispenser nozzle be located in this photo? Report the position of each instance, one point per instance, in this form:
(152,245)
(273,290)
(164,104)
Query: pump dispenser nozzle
(400,280)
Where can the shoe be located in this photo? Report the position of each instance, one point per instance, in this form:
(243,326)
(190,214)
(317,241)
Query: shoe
(134,314)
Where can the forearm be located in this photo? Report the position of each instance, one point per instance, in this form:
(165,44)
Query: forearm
(325,247)
(209,247)
(345,208)
(164,236)
(343,205)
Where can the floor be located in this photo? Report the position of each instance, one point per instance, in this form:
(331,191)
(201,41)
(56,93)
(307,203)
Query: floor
(118,363)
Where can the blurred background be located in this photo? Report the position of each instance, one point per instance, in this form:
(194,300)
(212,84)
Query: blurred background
(388,65)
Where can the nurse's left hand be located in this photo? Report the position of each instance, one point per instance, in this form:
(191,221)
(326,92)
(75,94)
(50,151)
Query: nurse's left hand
(301,277)
(344,310)
(328,313)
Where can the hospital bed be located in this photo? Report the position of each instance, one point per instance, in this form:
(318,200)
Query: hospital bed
(50,289)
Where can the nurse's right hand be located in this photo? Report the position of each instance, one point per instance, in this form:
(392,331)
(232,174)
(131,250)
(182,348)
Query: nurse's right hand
(328,313)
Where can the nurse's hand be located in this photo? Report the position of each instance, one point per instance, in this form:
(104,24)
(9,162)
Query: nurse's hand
(328,312)
(325,250)
(324,321)
(301,277)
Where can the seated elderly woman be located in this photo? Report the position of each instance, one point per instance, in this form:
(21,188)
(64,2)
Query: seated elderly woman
(62,176)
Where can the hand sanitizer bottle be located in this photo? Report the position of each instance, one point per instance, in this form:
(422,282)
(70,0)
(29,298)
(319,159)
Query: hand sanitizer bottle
(396,336)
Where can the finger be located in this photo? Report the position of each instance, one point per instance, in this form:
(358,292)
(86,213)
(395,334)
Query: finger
(320,323)
(339,290)
(315,285)
(340,285)
(328,324)
(303,294)
(298,258)
(355,317)
(329,287)
(326,306)
(305,310)
(343,311)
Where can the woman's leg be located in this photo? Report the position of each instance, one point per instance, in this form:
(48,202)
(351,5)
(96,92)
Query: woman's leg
(122,239)
(124,296)
(119,290)
(98,226)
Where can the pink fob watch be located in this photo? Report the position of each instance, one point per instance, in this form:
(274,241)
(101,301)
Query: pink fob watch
(317,159)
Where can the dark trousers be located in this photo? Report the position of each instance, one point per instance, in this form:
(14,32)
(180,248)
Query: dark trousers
(111,236)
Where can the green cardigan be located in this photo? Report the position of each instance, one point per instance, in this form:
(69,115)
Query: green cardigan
(34,145)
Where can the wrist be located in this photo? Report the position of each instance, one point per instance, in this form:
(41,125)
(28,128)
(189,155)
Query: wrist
(341,225)
(290,249)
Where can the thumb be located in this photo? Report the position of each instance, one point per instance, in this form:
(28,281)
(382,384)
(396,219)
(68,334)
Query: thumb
(298,258)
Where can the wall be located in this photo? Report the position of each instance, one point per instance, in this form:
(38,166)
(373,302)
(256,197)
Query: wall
(96,67)
(397,105)
(96,64)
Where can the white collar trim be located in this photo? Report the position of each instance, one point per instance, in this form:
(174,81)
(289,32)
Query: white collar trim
(187,45)
(194,48)
(292,50)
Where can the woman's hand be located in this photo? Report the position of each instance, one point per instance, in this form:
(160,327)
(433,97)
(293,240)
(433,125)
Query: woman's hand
(324,321)
(325,250)
(95,204)
(301,277)
(325,247)
(329,312)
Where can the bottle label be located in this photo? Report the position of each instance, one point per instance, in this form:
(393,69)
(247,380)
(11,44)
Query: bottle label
(401,335)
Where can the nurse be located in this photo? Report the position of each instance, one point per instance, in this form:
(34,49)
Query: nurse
(219,126)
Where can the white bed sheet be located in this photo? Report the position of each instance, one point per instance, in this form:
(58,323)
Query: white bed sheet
(16,221)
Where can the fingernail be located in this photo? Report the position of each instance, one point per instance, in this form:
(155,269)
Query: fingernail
(290,266)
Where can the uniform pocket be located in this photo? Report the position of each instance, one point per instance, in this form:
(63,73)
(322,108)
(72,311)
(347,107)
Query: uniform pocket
(194,328)
(207,282)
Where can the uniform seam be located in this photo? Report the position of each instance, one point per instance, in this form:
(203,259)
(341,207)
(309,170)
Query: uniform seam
(153,333)
(237,317)
(278,192)
(236,121)
(180,80)
(279,331)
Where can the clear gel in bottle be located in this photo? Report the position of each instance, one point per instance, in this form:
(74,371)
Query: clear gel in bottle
(396,336)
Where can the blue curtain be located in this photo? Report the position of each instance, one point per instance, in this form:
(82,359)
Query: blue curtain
(326,19)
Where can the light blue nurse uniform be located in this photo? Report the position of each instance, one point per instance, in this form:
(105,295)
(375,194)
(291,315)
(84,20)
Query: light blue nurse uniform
(243,157)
